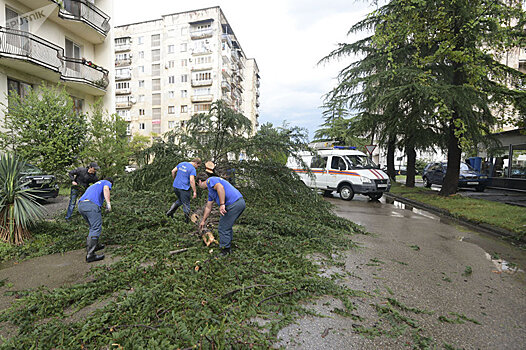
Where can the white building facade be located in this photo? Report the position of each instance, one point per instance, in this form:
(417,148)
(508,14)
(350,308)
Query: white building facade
(51,42)
(172,68)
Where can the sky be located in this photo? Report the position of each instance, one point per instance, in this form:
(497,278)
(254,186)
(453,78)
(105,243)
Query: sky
(286,37)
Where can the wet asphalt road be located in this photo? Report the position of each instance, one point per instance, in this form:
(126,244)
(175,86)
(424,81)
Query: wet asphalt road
(421,261)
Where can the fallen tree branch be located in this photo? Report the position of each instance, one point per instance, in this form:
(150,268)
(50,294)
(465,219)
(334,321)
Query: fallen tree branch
(173,252)
(244,288)
(277,295)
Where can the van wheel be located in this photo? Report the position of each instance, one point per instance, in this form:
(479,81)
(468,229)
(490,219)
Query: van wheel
(426,182)
(375,196)
(346,192)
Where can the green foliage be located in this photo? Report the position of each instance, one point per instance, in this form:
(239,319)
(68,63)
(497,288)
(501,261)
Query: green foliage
(19,209)
(43,128)
(107,142)
(215,134)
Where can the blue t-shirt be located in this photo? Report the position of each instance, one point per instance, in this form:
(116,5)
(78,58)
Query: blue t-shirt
(95,193)
(231,193)
(182,177)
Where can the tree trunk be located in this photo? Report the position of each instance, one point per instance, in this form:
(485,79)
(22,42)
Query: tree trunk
(391,147)
(411,161)
(450,184)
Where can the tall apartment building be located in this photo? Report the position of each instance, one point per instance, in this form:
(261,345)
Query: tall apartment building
(168,69)
(67,42)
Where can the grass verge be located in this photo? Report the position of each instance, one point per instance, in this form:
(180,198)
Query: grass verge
(505,216)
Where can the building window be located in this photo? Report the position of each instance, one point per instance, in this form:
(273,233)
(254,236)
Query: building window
(156,39)
(72,51)
(171,94)
(78,105)
(171,124)
(156,84)
(156,99)
(171,79)
(123,113)
(184,93)
(141,126)
(140,40)
(156,69)
(141,54)
(184,78)
(171,109)
(122,56)
(141,83)
(18,87)
(184,109)
(202,91)
(200,108)
(156,55)
(171,48)
(140,98)
(203,76)
(141,69)
(156,113)
(184,47)
(121,41)
(141,111)
(203,59)
(123,85)
(171,64)
(184,62)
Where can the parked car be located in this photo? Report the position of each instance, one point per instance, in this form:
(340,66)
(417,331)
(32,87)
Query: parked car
(39,183)
(434,174)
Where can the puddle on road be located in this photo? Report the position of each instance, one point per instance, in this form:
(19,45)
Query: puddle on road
(506,257)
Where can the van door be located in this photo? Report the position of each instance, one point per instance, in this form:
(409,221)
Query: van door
(319,168)
(337,167)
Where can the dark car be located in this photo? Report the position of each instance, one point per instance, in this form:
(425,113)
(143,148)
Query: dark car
(434,174)
(39,183)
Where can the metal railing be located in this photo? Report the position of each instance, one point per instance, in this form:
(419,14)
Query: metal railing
(76,69)
(85,11)
(25,46)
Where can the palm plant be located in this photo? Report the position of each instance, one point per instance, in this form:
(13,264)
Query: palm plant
(19,209)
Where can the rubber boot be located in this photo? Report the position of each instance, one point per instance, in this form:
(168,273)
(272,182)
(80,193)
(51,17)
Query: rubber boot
(224,252)
(91,247)
(172,210)
(99,246)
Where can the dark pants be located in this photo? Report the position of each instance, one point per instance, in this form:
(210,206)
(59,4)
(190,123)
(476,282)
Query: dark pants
(233,211)
(183,198)
(92,213)
(72,202)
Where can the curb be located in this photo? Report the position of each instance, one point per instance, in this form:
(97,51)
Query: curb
(487,228)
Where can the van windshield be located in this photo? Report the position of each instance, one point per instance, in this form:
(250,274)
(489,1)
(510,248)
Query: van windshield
(357,161)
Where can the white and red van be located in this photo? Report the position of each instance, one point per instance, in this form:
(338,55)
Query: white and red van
(344,170)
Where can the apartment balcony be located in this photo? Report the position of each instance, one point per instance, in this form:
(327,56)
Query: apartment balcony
(31,54)
(123,76)
(201,51)
(123,47)
(81,17)
(225,85)
(35,56)
(202,98)
(123,63)
(227,73)
(196,83)
(124,104)
(201,67)
(125,91)
(258,83)
(201,33)
(85,75)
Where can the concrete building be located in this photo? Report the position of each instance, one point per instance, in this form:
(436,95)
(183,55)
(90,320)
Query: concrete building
(67,42)
(170,68)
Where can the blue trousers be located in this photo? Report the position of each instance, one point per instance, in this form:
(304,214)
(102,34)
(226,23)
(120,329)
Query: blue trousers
(72,202)
(183,198)
(92,213)
(233,211)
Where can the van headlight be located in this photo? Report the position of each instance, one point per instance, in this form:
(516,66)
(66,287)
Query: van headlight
(365,180)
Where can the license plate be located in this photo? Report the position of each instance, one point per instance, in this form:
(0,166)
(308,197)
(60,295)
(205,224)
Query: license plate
(381,185)
(473,183)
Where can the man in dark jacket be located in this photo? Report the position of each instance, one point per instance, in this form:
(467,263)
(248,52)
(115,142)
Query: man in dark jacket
(81,178)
